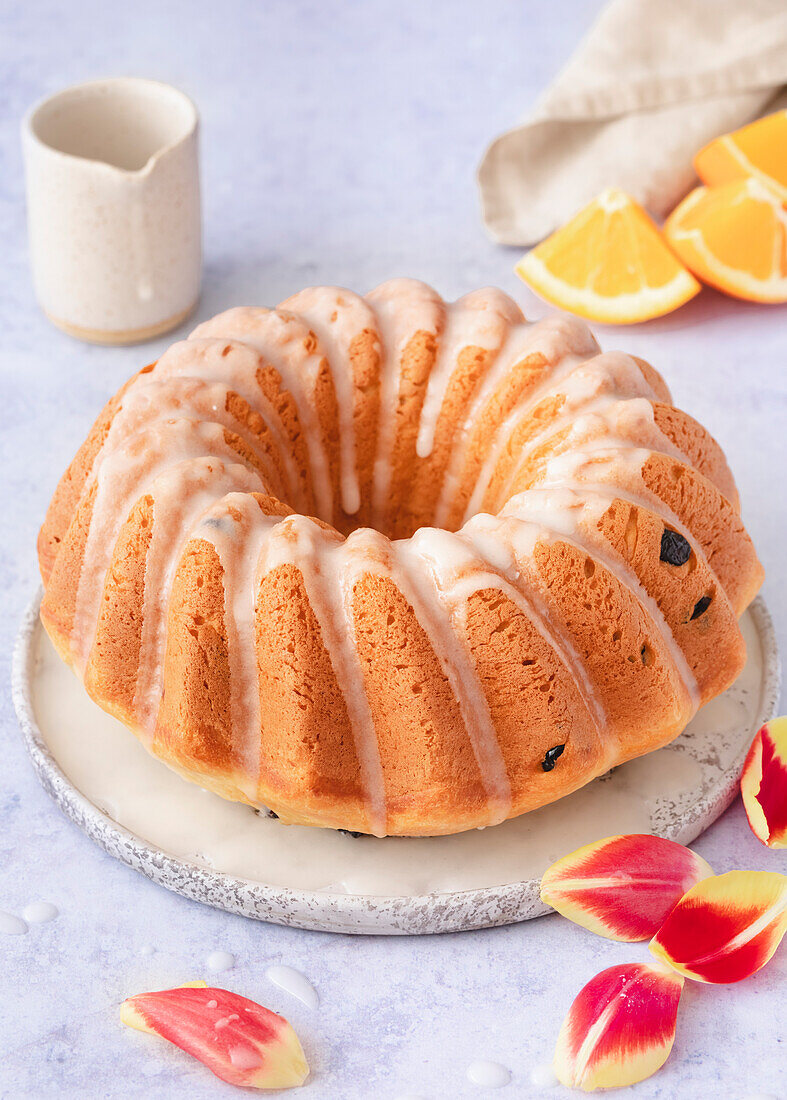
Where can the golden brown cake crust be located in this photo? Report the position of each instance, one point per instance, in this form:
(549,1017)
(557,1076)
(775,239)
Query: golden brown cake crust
(397,565)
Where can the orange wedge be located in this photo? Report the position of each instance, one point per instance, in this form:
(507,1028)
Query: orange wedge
(735,238)
(609,264)
(758,150)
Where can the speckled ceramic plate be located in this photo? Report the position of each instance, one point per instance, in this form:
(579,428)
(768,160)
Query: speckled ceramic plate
(444,884)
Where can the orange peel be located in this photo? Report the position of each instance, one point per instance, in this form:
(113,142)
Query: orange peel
(758,150)
(622,887)
(239,1040)
(764,784)
(725,928)
(609,263)
(620,1028)
(733,238)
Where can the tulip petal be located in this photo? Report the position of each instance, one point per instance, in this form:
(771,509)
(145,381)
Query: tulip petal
(620,1028)
(622,887)
(726,927)
(237,1039)
(764,784)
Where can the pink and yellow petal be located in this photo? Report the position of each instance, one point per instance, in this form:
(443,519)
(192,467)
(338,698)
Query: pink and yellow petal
(764,784)
(622,887)
(620,1028)
(239,1040)
(726,927)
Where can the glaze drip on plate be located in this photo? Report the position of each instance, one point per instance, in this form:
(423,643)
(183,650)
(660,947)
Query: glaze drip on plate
(365,560)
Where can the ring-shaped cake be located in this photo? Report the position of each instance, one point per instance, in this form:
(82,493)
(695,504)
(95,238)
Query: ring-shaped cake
(394,565)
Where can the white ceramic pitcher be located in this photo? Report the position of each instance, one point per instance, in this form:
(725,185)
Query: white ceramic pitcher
(114,208)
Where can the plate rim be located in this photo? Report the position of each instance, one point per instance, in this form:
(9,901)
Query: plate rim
(370,914)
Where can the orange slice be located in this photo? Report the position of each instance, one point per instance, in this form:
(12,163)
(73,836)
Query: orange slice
(609,264)
(735,238)
(758,150)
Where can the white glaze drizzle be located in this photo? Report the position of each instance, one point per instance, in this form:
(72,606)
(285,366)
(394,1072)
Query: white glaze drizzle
(420,560)
(181,494)
(479,319)
(337,316)
(121,476)
(237,529)
(368,552)
(287,345)
(403,307)
(235,365)
(463,573)
(583,389)
(642,497)
(563,342)
(320,556)
(483,534)
(194,399)
(566,515)
(599,497)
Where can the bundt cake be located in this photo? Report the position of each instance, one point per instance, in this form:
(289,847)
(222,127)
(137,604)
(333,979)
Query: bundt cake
(397,566)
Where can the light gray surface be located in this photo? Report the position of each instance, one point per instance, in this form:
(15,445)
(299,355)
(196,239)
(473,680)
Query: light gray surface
(339,145)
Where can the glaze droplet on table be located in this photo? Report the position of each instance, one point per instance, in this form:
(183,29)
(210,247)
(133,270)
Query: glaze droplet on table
(39,912)
(543,1076)
(488,1075)
(11,925)
(293,982)
(218,961)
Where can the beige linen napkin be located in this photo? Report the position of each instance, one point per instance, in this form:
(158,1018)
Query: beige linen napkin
(652,83)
